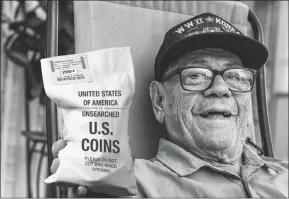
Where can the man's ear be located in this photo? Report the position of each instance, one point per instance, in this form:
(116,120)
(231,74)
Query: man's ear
(157,98)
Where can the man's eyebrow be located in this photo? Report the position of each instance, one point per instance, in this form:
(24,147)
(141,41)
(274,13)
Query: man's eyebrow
(234,62)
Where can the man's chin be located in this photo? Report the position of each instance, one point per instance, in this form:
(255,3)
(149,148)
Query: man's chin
(215,134)
(222,150)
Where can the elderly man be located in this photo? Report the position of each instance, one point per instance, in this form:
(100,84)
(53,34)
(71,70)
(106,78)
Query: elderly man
(204,72)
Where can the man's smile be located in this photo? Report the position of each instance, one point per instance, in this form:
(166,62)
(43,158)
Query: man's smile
(216,113)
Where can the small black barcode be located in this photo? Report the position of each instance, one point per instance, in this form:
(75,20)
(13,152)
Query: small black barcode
(69,78)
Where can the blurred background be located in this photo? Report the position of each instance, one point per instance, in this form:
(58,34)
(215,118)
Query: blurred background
(23,138)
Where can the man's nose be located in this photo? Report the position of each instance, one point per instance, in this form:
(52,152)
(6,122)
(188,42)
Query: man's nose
(218,89)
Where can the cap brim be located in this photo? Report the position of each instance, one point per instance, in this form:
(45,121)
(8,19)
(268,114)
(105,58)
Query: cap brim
(252,53)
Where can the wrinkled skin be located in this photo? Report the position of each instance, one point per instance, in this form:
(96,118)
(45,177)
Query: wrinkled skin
(212,140)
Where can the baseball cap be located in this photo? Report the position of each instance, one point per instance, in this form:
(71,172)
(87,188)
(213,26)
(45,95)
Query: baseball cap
(208,31)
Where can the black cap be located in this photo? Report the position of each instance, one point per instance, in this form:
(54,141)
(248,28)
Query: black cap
(208,31)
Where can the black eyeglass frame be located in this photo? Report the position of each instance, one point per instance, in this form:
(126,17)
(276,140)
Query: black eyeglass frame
(215,73)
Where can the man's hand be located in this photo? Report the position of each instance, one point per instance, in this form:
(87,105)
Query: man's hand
(73,192)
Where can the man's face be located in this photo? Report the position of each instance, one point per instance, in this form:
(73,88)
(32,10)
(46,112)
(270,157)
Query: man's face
(209,123)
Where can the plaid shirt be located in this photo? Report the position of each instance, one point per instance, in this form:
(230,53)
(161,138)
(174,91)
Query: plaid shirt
(175,172)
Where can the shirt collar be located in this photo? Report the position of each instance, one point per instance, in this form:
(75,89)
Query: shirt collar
(251,158)
(185,163)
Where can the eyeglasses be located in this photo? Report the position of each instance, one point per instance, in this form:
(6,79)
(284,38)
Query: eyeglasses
(200,79)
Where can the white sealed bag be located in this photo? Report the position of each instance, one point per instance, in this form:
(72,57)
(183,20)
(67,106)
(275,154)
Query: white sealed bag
(94,91)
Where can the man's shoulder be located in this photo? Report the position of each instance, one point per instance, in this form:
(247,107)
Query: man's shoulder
(150,175)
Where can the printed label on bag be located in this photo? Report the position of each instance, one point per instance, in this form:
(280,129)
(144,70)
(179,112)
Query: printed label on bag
(75,69)
(102,123)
